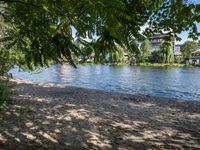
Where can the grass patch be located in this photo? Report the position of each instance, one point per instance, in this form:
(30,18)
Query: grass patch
(117,65)
(121,65)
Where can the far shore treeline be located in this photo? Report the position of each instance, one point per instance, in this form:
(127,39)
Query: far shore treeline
(144,56)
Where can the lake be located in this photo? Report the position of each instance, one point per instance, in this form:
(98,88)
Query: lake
(180,83)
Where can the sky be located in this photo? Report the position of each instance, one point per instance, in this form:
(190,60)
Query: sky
(184,35)
(193,1)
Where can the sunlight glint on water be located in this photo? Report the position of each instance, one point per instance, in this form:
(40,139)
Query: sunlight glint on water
(181,83)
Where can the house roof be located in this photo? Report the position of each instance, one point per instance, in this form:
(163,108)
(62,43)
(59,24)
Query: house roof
(196,52)
(159,36)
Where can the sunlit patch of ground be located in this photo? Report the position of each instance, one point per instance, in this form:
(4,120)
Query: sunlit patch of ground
(48,116)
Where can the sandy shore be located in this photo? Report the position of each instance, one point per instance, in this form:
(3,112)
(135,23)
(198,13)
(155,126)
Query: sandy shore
(45,116)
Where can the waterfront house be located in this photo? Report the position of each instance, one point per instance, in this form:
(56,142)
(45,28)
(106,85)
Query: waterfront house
(198,44)
(177,50)
(156,41)
(194,59)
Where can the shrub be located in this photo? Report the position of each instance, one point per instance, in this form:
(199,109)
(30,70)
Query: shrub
(179,59)
(4,93)
(156,57)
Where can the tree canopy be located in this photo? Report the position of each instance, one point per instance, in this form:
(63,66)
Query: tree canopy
(43,30)
(188,47)
(167,51)
(145,51)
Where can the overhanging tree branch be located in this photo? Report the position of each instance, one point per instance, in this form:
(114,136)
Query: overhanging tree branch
(20,2)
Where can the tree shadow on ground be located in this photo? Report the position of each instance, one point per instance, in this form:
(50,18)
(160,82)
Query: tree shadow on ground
(57,117)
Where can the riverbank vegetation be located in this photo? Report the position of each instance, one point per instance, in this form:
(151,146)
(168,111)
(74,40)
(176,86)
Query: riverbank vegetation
(145,56)
(187,48)
(4,93)
(162,65)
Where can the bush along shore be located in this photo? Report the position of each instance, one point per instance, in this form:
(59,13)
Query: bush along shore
(162,65)
(49,116)
(4,92)
(143,64)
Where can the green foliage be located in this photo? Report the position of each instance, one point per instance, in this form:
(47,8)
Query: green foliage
(86,53)
(156,57)
(175,16)
(187,48)
(5,61)
(39,31)
(132,58)
(5,54)
(167,51)
(4,93)
(116,56)
(145,48)
(162,65)
(178,59)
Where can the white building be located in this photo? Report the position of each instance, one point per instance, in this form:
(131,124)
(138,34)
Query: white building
(177,50)
(157,40)
(194,59)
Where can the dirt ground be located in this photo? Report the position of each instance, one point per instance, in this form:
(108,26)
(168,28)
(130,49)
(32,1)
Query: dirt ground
(46,116)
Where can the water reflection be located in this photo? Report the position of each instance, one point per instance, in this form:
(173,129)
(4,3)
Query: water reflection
(182,83)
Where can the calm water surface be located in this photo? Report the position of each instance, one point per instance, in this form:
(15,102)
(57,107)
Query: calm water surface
(181,83)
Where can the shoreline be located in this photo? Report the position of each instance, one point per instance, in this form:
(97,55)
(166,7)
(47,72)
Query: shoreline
(15,80)
(49,116)
(156,65)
